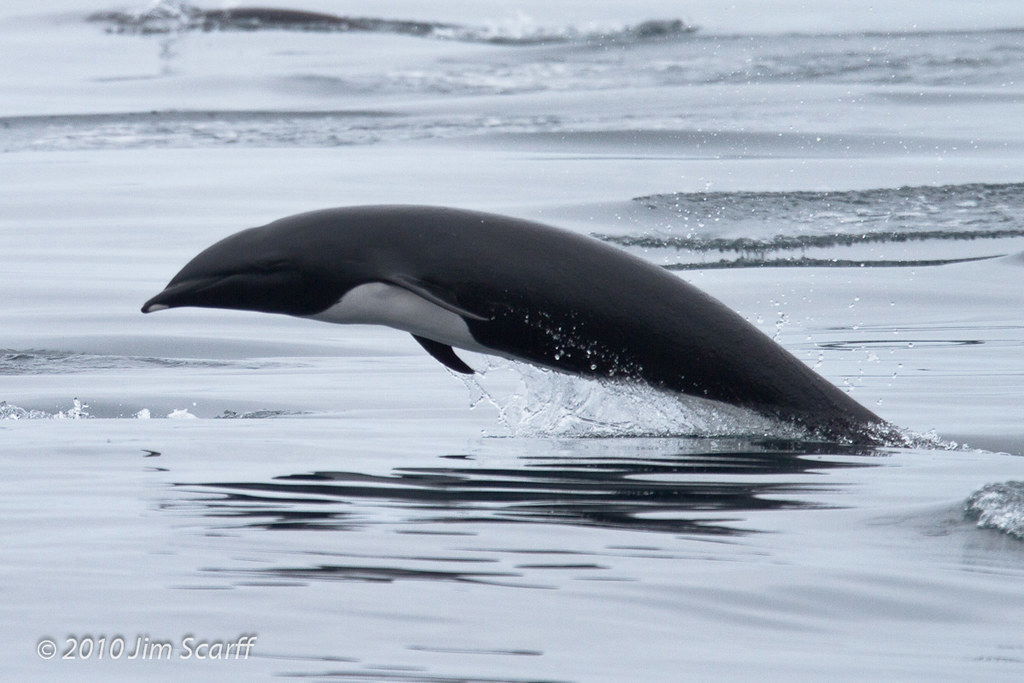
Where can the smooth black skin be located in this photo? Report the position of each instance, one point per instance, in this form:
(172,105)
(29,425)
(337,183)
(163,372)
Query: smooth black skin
(537,293)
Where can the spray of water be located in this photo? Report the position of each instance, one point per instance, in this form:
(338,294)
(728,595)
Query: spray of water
(545,403)
(78,411)
(998,506)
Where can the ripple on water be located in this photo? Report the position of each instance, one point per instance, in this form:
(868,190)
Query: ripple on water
(45,361)
(669,492)
(176,16)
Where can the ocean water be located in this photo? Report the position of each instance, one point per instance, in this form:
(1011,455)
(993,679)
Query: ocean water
(848,176)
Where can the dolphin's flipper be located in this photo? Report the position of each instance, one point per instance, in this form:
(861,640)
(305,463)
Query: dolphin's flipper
(428,293)
(444,353)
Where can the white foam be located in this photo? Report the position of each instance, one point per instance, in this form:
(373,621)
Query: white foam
(77,411)
(999,506)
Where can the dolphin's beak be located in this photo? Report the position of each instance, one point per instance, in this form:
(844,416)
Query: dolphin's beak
(180,294)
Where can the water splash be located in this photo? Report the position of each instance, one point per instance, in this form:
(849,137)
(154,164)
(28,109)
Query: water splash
(545,403)
(998,506)
(77,411)
(80,410)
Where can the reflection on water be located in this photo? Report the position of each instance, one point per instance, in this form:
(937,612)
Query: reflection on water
(675,489)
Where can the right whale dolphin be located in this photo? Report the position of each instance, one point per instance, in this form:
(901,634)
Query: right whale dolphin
(521,290)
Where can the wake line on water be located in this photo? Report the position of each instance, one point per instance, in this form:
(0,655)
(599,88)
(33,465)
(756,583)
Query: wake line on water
(166,116)
(782,242)
(884,215)
(174,16)
(806,262)
(549,404)
(45,361)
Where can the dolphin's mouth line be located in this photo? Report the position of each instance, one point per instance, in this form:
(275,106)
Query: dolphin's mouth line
(161,301)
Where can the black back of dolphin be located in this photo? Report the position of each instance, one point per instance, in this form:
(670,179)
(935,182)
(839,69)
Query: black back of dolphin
(529,291)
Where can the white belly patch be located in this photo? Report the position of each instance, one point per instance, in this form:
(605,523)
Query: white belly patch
(378,303)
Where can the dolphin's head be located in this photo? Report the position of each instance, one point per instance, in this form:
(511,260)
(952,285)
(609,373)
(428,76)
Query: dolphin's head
(259,269)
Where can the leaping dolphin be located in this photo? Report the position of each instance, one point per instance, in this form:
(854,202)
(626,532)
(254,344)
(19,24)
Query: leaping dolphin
(517,289)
